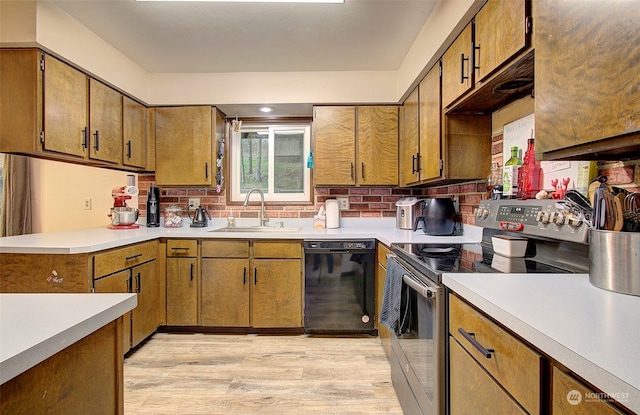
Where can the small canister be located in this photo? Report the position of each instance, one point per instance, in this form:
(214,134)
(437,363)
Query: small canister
(173,217)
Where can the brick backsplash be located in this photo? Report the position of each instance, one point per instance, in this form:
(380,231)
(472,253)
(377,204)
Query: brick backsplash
(364,202)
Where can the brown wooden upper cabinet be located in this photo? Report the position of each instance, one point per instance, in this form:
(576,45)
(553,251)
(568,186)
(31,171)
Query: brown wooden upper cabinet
(421,156)
(186,138)
(355,145)
(587,83)
(498,32)
(501,31)
(456,67)
(52,110)
(105,122)
(134,133)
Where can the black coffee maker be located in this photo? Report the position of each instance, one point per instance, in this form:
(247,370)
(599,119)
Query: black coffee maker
(153,207)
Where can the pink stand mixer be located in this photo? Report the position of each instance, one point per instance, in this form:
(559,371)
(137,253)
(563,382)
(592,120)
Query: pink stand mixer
(122,216)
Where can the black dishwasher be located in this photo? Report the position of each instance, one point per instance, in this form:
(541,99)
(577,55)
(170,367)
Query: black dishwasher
(339,287)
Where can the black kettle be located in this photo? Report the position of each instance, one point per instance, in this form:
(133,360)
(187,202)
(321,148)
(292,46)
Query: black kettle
(199,219)
(438,217)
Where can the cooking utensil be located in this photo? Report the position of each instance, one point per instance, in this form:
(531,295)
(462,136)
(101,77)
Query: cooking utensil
(599,204)
(199,219)
(631,212)
(123,216)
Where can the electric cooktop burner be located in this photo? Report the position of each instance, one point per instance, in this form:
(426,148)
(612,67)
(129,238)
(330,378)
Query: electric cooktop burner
(433,260)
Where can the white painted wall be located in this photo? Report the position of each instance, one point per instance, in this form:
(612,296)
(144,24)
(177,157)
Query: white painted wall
(59,33)
(58,193)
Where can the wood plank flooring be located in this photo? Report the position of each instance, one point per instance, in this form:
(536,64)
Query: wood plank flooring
(250,374)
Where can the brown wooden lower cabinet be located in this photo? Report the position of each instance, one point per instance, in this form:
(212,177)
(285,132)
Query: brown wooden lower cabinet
(473,390)
(84,378)
(381,273)
(277,293)
(571,397)
(225,292)
(182,291)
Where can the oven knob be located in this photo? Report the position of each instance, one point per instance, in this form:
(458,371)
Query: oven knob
(557,218)
(542,217)
(482,213)
(574,222)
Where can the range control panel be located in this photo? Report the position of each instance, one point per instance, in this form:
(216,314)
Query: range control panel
(546,218)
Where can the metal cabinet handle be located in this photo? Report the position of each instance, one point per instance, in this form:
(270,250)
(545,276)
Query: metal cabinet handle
(351,170)
(462,61)
(413,164)
(362,170)
(244,276)
(180,248)
(132,257)
(255,276)
(85,137)
(129,149)
(476,59)
(471,338)
(206,170)
(191,272)
(96,145)
(138,282)
(418,157)
(129,284)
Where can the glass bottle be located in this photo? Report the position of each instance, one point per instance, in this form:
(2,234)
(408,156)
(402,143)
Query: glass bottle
(510,175)
(494,181)
(529,174)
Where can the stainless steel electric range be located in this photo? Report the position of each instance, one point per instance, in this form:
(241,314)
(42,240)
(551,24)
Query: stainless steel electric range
(556,244)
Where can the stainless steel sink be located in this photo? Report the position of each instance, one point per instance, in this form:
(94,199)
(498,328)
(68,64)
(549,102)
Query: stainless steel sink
(260,229)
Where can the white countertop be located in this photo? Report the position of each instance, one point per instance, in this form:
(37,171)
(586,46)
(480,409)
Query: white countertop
(34,327)
(98,239)
(593,332)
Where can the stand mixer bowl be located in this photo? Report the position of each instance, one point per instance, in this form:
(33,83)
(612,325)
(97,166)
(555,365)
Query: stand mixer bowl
(123,216)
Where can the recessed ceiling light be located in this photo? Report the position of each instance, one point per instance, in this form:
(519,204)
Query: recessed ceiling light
(266,108)
(261,1)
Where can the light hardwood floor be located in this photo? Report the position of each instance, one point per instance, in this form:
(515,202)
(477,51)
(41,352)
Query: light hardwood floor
(250,374)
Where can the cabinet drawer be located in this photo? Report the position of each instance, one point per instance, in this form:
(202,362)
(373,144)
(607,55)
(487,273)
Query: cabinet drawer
(512,363)
(472,390)
(182,248)
(565,387)
(118,259)
(277,249)
(225,249)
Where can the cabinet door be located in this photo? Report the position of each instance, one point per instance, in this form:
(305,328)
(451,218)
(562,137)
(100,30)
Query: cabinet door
(146,316)
(182,291)
(65,108)
(105,120)
(134,133)
(184,145)
(335,141)
(501,32)
(118,283)
(277,293)
(472,390)
(456,67)
(568,397)
(592,92)
(377,161)
(430,133)
(409,144)
(225,292)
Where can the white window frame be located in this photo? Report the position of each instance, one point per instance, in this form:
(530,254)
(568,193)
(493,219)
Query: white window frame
(270,195)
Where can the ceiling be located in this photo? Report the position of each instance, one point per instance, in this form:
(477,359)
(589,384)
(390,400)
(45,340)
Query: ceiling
(208,37)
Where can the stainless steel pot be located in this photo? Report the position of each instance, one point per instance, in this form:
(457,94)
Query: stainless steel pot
(123,216)
(614,261)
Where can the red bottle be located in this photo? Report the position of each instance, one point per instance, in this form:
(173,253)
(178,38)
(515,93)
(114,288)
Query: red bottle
(529,174)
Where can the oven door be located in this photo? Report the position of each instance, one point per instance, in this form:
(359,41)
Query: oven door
(419,347)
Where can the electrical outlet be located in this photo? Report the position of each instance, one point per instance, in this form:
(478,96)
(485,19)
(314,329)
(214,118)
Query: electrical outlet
(87,203)
(344,202)
(194,202)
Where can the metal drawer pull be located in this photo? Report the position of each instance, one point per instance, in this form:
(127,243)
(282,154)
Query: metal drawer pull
(179,248)
(471,338)
(132,257)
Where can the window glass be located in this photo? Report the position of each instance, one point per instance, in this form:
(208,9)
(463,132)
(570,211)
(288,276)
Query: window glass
(271,158)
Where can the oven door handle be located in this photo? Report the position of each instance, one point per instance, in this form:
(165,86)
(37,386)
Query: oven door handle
(423,290)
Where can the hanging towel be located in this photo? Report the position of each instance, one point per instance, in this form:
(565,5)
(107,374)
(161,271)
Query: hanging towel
(390,310)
